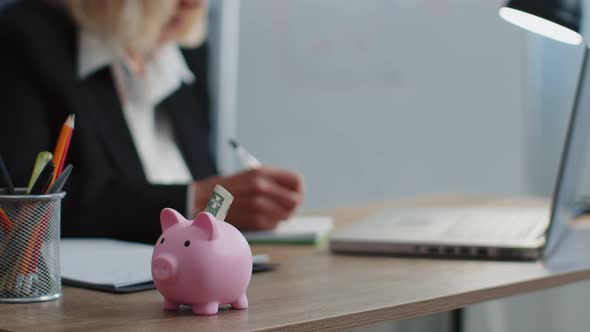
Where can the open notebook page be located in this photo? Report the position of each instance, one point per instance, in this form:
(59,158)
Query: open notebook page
(296,230)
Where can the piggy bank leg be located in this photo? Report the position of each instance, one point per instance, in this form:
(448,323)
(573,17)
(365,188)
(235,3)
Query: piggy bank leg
(210,308)
(168,305)
(240,303)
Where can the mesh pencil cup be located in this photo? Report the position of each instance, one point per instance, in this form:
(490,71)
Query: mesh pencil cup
(29,247)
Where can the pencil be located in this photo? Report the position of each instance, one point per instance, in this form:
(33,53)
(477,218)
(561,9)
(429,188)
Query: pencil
(6,176)
(30,256)
(62,146)
(5,222)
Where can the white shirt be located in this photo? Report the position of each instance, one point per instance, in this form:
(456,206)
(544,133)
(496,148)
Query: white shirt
(152,134)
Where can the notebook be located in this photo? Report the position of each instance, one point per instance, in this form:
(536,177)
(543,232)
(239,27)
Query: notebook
(113,265)
(297,230)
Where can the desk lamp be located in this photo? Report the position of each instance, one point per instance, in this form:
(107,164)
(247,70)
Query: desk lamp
(559,20)
(556,19)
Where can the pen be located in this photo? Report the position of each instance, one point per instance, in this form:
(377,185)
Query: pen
(42,159)
(245,157)
(44,179)
(6,177)
(61,180)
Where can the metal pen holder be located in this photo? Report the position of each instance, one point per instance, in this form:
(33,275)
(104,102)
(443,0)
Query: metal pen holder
(29,247)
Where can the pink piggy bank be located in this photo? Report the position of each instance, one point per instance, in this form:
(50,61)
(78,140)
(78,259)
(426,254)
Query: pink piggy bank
(204,263)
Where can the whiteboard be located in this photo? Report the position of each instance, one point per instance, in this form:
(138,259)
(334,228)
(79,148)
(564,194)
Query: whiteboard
(378,99)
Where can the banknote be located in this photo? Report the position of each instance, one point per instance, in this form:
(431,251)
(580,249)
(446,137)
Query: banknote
(219,202)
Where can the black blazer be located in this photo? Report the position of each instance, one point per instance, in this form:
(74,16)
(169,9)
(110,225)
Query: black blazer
(108,194)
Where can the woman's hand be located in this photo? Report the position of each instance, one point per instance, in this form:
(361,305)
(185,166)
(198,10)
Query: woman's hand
(262,196)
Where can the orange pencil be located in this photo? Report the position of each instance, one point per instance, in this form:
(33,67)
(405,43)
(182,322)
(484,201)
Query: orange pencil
(5,222)
(67,147)
(32,253)
(62,146)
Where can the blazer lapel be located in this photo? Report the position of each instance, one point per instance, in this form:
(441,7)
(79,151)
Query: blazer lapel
(110,122)
(191,128)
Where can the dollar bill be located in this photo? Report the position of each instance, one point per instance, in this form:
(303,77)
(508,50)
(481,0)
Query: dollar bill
(219,202)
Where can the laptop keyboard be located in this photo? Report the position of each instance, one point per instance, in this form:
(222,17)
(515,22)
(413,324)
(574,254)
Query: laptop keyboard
(514,225)
(460,223)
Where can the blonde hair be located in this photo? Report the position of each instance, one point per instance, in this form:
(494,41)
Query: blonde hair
(137,24)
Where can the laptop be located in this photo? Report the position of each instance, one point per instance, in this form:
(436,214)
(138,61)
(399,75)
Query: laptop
(512,233)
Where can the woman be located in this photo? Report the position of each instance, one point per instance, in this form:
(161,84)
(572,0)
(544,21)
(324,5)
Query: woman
(142,110)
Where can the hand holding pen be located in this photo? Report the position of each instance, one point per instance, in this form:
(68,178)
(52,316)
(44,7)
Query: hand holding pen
(263,195)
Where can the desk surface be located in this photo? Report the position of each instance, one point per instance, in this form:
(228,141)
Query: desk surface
(311,290)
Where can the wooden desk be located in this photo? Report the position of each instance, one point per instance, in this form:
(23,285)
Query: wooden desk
(312,290)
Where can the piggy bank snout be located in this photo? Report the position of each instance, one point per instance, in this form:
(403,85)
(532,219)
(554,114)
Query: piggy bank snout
(164,268)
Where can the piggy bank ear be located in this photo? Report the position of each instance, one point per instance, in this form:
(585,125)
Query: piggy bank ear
(207,222)
(169,217)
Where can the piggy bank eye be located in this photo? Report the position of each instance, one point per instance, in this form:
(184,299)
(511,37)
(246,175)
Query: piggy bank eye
(187,243)
(162,240)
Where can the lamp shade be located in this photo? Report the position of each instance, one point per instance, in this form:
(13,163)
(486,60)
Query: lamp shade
(556,19)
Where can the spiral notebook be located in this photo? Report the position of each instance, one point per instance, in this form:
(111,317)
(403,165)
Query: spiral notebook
(115,266)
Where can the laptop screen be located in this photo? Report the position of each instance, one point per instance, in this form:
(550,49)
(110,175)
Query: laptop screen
(571,164)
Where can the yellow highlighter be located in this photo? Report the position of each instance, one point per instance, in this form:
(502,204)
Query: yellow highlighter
(42,159)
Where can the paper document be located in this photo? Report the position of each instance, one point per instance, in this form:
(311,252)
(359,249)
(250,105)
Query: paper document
(110,265)
(105,264)
(297,230)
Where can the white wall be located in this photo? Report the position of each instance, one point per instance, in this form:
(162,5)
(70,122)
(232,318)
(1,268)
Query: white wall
(380,98)
(376,99)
